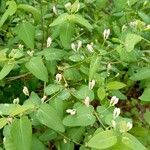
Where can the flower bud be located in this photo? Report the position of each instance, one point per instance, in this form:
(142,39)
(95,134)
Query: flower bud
(79,45)
(91,84)
(30,53)
(129,126)
(106,34)
(43,98)
(113,124)
(87,101)
(90,47)
(49,41)
(116,113)
(25,91)
(71,111)
(58,77)
(114,100)
(54,10)
(73,46)
(16,101)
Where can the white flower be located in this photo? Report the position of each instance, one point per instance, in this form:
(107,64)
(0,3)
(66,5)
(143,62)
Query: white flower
(113,122)
(79,44)
(91,84)
(9,119)
(129,126)
(58,77)
(117,74)
(106,34)
(87,101)
(90,47)
(71,111)
(114,100)
(25,91)
(43,98)
(116,112)
(124,27)
(49,41)
(73,46)
(68,6)
(20,46)
(65,141)
(30,53)
(16,101)
(109,66)
(133,24)
(54,10)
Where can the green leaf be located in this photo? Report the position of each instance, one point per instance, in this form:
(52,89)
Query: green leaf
(144,17)
(83,92)
(48,116)
(67,146)
(94,65)
(6,69)
(80,20)
(143,73)
(12,7)
(147,116)
(53,88)
(131,40)
(115,85)
(3,122)
(72,74)
(57,104)
(101,93)
(61,19)
(76,57)
(37,144)
(27,33)
(83,117)
(6,109)
(48,135)
(37,68)
(53,54)
(31,9)
(103,140)
(146,95)
(75,6)
(76,133)
(130,141)
(66,33)
(21,131)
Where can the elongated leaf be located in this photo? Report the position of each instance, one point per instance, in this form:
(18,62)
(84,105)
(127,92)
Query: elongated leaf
(80,20)
(27,33)
(83,117)
(21,132)
(54,54)
(60,19)
(94,64)
(48,116)
(52,88)
(31,9)
(3,122)
(6,69)
(37,144)
(12,7)
(37,68)
(66,33)
(146,95)
(115,85)
(101,93)
(103,140)
(67,146)
(131,40)
(130,141)
(144,17)
(143,73)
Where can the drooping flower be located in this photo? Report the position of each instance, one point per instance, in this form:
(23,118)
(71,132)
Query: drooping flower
(16,101)
(58,77)
(114,100)
(106,34)
(71,111)
(25,91)
(91,84)
(87,101)
(116,113)
(49,41)
(90,47)
(54,10)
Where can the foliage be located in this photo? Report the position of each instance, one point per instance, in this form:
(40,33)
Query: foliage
(68,68)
